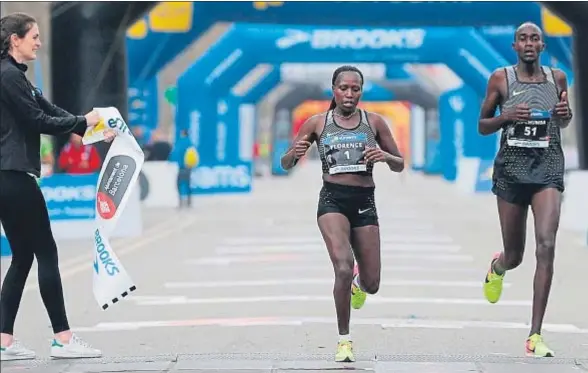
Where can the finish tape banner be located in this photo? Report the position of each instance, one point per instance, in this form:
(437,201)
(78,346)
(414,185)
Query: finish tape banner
(116,181)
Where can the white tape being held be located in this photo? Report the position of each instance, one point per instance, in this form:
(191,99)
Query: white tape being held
(111,119)
(118,177)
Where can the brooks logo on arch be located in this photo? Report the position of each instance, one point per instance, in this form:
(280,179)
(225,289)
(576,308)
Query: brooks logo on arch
(354,39)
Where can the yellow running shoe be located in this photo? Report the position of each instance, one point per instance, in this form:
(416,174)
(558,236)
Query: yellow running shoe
(358,296)
(535,347)
(493,283)
(344,352)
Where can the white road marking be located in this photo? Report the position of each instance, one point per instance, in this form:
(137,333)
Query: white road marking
(181,300)
(316,239)
(138,244)
(320,247)
(386,323)
(314,257)
(318,281)
(435,268)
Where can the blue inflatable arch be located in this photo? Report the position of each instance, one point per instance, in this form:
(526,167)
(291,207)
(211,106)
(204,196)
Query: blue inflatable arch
(243,46)
(241,108)
(149,51)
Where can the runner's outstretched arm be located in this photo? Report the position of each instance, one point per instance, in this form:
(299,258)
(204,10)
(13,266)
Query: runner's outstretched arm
(303,141)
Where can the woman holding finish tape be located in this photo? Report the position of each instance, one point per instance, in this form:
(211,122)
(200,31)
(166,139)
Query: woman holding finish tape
(24,115)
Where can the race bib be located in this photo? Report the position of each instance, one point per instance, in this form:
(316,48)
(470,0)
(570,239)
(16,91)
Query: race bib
(532,133)
(344,153)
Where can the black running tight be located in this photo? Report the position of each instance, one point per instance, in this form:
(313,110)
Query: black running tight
(25,221)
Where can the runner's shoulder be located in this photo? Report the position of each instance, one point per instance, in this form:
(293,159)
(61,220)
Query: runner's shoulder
(499,73)
(498,80)
(315,123)
(376,121)
(317,118)
(559,74)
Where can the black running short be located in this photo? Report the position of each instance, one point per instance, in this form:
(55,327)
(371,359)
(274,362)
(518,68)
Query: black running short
(521,194)
(356,203)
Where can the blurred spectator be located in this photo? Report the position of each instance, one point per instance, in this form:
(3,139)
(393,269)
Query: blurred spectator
(77,158)
(158,147)
(186,156)
(47,157)
(142,134)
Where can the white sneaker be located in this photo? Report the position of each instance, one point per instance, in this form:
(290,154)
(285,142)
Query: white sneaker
(75,349)
(16,352)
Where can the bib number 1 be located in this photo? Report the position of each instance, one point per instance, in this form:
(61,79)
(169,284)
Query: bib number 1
(344,153)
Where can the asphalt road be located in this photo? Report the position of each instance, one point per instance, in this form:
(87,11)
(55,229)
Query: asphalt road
(247,278)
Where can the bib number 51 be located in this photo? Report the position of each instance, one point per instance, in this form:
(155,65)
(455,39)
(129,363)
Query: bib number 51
(530,131)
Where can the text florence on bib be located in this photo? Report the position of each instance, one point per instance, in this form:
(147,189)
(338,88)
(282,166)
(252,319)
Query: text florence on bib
(344,153)
(532,133)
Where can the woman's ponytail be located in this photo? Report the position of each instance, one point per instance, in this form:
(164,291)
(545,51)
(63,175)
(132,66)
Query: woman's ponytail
(4,40)
(333,104)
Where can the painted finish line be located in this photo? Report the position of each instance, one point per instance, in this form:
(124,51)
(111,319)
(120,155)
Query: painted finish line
(374,299)
(320,248)
(316,256)
(300,321)
(385,238)
(319,281)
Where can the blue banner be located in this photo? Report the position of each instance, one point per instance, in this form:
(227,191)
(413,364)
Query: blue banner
(160,36)
(459,111)
(236,131)
(398,72)
(221,178)
(263,86)
(451,127)
(281,139)
(227,167)
(244,46)
(70,197)
(143,104)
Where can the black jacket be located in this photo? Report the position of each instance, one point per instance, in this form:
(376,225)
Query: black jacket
(24,115)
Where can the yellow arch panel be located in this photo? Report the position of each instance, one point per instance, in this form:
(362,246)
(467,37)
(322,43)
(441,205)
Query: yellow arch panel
(553,25)
(138,30)
(171,17)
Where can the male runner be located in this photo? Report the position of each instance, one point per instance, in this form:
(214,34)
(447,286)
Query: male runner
(529,167)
